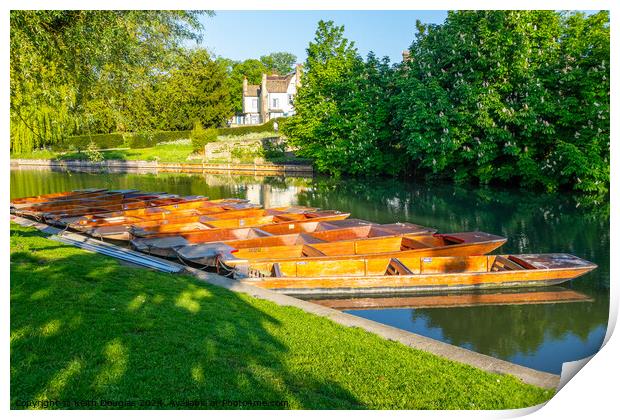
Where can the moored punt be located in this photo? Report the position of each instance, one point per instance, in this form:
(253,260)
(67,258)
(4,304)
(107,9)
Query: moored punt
(56,196)
(378,247)
(76,200)
(484,297)
(206,245)
(209,222)
(60,216)
(395,275)
(123,230)
(156,214)
(190,202)
(108,198)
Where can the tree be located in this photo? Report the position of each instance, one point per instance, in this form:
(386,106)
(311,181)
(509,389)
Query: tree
(61,59)
(509,95)
(196,90)
(279,62)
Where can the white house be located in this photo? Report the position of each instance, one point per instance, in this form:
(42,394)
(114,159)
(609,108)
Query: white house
(271,99)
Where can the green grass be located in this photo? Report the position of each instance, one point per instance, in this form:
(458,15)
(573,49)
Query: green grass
(84,327)
(161,152)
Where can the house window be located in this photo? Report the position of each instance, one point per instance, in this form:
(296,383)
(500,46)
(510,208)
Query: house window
(254,104)
(275,103)
(290,99)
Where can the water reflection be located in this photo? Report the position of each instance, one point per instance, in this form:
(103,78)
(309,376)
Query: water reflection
(541,336)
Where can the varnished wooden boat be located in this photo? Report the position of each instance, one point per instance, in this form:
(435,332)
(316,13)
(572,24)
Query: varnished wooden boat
(56,196)
(61,217)
(209,222)
(38,210)
(122,229)
(154,215)
(379,247)
(210,243)
(390,275)
(78,199)
(523,296)
(175,226)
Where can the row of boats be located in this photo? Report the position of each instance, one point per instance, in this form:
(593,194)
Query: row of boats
(298,250)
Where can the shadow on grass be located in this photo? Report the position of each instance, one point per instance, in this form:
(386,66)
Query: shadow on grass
(85,328)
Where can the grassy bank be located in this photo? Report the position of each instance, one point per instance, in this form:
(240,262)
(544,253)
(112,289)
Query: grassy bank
(84,327)
(180,151)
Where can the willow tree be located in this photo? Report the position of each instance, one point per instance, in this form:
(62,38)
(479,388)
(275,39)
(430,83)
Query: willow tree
(64,61)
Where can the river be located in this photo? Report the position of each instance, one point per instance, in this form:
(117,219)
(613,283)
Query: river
(541,336)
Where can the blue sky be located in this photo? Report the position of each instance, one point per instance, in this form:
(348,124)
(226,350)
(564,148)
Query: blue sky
(249,34)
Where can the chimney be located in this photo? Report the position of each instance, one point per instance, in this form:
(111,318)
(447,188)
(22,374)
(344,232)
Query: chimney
(245,93)
(406,56)
(297,75)
(264,100)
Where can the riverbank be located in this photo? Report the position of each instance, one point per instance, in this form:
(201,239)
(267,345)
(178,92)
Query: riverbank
(106,331)
(155,166)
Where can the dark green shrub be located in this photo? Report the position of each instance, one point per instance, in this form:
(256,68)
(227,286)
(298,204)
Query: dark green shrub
(102,141)
(201,136)
(139,140)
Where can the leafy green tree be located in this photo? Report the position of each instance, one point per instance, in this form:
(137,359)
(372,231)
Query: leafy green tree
(509,95)
(279,62)
(252,69)
(341,108)
(60,59)
(194,89)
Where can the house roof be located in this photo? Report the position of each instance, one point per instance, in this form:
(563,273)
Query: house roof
(252,90)
(279,84)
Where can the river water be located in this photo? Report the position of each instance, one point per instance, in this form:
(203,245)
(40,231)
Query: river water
(541,336)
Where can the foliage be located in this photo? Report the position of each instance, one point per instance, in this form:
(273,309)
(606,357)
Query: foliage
(201,136)
(280,63)
(193,88)
(342,114)
(72,71)
(252,69)
(509,95)
(193,341)
(92,154)
(101,141)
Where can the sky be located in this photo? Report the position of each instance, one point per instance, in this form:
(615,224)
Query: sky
(240,35)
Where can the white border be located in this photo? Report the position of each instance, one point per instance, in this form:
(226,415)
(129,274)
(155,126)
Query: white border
(590,394)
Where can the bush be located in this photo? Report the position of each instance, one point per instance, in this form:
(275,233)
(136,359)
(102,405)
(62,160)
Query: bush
(201,136)
(139,140)
(101,141)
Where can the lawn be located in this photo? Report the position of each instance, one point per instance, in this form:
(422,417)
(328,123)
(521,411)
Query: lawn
(85,328)
(161,152)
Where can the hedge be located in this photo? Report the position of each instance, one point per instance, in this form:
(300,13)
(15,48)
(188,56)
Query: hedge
(103,141)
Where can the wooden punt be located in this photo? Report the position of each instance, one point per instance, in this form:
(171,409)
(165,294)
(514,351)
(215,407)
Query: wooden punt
(176,225)
(75,205)
(394,275)
(552,294)
(190,202)
(378,247)
(62,216)
(56,196)
(121,229)
(157,214)
(288,219)
(208,244)
(270,216)
(76,200)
